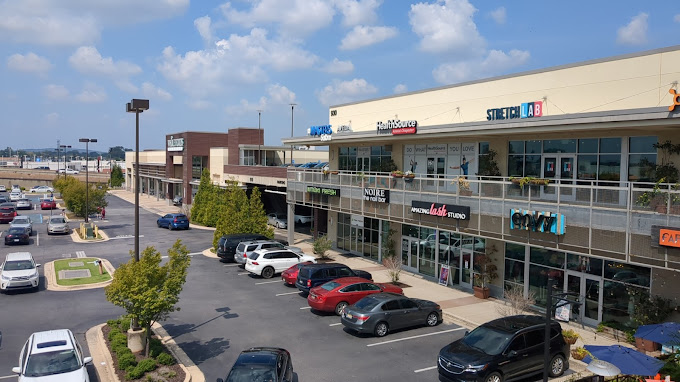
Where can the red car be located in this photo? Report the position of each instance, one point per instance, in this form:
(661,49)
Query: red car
(7,213)
(48,204)
(289,276)
(335,295)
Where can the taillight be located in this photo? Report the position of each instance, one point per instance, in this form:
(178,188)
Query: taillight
(361,318)
(309,283)
(245,254)
(321,298)
(175,221)
(255,263)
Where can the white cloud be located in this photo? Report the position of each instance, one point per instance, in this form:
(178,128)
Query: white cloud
(87,60)
(339,67)
(358,12)
(202,25)
(56,92)
(150,91)
(499,15)
(199,104)
(635,33)
(677,18)
(52,117)
(76,22)
(345,91)
(127,86)
(447,26)
(234,61)
(92,94)
(30,63)
(362,36)
(496,62)
(279,94)
(293,18)
(400,88)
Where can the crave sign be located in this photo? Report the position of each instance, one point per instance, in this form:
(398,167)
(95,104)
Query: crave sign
(525,110)
(323,191)
(669,238)
(379,195)
(175,144)
(396,127)
(537,221)
(442,210)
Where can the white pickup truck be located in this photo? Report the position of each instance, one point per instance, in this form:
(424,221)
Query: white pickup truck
(302,219)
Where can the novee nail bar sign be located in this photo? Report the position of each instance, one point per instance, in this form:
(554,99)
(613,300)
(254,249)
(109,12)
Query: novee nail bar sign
(438,209)
(537,221)
(379,195)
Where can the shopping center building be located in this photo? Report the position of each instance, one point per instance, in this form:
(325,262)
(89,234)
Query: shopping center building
(551,173)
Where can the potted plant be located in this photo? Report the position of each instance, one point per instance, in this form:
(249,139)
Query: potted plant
(408,176)
(655,199)
(570,336)
(398,174)
(463,186)
(579,353)
(485,272)
(531,180)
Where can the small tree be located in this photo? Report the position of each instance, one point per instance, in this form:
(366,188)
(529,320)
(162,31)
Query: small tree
(200,205)
(147,290)
(240,214)
(485,269)
(117,177)
(515,302)
(321,245)
(390,259)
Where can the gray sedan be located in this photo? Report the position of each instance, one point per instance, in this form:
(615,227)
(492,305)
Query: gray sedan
(23,222)
(382,312)
(24,204)
(277,220)
(57,224)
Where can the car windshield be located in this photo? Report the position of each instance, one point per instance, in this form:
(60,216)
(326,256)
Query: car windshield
(487,340)
(22,220)
(15,231)
(367,303)
(250,373)
(18,265)
(57,220)
(56,362)
(330,285)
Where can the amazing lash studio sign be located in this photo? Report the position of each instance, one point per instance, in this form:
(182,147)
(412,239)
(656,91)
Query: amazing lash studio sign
(441,210)
(537,221)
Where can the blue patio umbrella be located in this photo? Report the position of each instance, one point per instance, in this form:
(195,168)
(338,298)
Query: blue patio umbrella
(665,333)
(630,361)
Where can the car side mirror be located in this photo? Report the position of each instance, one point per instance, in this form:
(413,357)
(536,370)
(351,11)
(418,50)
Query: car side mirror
(38,265)
(87,360)
(466,333)
(16,369)
(512,353)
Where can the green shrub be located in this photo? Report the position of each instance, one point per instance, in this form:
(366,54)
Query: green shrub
(119,339)
(119,349)
(112,324)
(147,364)
(124,324)
(113,332)
(135,373)
(155,347)
(165,359)
(126,360)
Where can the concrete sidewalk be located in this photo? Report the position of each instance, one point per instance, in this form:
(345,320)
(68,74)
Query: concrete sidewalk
(459,306)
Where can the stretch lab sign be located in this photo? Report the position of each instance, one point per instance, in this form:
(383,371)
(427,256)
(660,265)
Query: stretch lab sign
(441,210)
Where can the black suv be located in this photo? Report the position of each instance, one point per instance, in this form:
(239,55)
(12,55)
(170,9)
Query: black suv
(505,349)
(262,364)
(312,275)
(226,246)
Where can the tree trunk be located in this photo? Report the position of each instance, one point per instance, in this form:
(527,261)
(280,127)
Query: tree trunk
(148,340)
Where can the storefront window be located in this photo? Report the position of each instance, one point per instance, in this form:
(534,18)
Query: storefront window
(627,273)
(642,159)
(610,167)
(516,147)
(642,144)
(587,167)
(610,145)
(197,165)
(587,145)
(559,146)
(617,303)
(514,251)
(514,273)
(585,264)
(516,165)
(547,257)
(538,281)
(534,147)
(532,165)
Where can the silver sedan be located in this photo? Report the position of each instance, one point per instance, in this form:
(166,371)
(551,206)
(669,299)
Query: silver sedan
(24,204)
(22,222)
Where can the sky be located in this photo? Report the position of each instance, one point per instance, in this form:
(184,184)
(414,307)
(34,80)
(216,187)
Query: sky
(68,67)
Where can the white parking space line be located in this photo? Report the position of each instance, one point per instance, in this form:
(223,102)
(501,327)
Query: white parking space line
(80,254)
(306,307)
(425,369)
(231,265)
(10,376)
(336,324)
(37,239)
(413,337)
(269,282)
(188,254)
(283,294)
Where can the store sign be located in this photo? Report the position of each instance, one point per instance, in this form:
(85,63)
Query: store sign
(324,132)
(357,221)
(323,191)
(676,99)
(537,221)
(334,113)
(525,110)
(379,195)
(397,127)
(441,210)
(344,129)
(665,236)
(175,144)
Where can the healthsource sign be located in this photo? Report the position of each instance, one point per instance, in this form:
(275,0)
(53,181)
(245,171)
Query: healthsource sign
(396,127)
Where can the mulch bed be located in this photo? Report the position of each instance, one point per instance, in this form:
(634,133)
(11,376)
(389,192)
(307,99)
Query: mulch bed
(400,284)
(179,373)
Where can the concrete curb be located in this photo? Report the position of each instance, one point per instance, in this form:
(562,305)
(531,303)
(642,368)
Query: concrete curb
(51,278)
(101,357)
(209,253)
(76,238)
(192,371)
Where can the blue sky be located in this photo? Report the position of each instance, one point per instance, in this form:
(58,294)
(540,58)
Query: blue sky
(69,66)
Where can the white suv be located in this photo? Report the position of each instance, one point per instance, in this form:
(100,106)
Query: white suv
(53,355)
(267,262)
(245,248)
(19,271)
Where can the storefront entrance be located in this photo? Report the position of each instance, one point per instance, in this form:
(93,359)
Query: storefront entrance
(589,289)
(409,254)
(559,167)
(466,267)
(356,239)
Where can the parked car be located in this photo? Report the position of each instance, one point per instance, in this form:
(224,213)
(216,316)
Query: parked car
(302,219)
(267,262)
(315,275)
(3,188)
(261,364)
(177,201)
(334,296)
(289,276)
(22,222)
(48,204)
(226,245)
(53,355)
(57,224)
(4,199)
(17,235)
(379,313)
(24,204)
(173,221)
(246,248)
(277,220)
(15,195)
(71,171)
(19,271)
(504,349)
(7,212)
(42,189)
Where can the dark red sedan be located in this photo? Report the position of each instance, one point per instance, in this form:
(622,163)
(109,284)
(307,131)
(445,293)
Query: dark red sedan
(7,213)
(48,204)
(335,295)
(290,275)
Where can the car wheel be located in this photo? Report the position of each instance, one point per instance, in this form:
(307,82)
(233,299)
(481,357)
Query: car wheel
(158,224)
(340,307)
(278,225)
(494,377)
(268,272)
(556,366)
(380,329)
(432,319)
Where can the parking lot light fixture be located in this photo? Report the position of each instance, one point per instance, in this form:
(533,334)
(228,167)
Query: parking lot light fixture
(63,150)
(87,174)
(137,106)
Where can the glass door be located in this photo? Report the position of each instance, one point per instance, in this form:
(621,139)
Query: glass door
(561,168)
(356,239)
(466,267)
(409,254)
(589,290)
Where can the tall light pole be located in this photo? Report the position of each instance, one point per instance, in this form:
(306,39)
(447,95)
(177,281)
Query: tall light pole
(259,137)
(292,108)
(63,149)
(87,174)
(137,106)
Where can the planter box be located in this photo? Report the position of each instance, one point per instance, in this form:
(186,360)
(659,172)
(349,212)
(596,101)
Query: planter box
(480,292)
(646,345)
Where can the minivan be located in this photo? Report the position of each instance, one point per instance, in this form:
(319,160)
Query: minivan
(313,275)
(502,350)
(226,246)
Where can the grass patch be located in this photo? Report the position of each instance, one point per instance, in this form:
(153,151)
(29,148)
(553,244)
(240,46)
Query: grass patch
(88,262)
